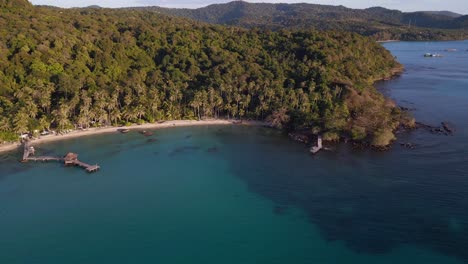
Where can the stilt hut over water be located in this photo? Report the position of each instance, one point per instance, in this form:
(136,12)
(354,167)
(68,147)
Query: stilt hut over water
(70,158)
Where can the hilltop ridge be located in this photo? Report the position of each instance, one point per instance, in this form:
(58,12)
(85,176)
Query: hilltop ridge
(377,22)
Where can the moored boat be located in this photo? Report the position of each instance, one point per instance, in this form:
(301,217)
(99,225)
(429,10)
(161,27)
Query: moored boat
(432,55)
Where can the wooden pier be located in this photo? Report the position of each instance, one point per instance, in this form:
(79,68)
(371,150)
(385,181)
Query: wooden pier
(315,149)
(43,159)
(71,159)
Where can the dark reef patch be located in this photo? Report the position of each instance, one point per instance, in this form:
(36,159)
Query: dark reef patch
(212,150)
(151,140)
(184,150)
(363,198)
(280,209)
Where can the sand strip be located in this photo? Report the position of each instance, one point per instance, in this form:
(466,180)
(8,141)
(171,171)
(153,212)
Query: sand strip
(102,130)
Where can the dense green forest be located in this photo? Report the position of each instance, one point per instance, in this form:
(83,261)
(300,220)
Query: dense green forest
(376,22)
(70,68)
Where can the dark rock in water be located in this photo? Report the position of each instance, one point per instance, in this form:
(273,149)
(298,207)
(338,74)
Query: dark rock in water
(151,140)
(300,137)
(448,127)
(146,133)
(346,139)
(360,145)
(422,125)
(407,109)
(445,129)
(280,209)
(212,150)
(407,102)
(408,145)
(185,149)
(382,148)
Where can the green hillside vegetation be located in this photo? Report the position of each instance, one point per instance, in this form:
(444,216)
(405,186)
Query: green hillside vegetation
(376,22)
(70,68)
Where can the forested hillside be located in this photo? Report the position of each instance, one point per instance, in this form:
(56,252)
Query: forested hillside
(69,68)
(377,22)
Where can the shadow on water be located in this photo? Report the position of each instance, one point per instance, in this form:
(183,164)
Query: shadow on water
(184,150)
(374,202)
(10,164)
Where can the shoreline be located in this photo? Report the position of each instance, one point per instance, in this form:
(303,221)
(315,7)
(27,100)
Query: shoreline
(388,40)
(114,129)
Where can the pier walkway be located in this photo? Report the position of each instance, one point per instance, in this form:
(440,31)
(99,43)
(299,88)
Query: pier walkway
(43,159)
(71,159)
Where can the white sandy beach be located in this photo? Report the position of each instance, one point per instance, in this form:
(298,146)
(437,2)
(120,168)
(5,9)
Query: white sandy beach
(102,130)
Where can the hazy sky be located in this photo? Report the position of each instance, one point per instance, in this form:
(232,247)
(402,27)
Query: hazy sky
(459,6)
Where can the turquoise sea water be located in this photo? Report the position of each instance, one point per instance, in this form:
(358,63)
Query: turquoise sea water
(233,194)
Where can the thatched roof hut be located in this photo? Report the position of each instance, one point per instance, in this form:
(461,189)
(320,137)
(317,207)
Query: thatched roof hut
(70,158)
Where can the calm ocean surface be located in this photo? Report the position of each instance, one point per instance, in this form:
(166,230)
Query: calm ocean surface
(249,195)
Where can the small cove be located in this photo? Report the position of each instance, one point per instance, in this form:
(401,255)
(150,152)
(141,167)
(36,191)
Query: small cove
(249,195)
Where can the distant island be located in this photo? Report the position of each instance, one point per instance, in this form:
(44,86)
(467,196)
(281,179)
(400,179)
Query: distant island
(68,69)
(376,22)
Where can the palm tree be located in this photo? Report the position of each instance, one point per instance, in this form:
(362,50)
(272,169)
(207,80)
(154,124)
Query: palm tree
(115,116)
(139,111)
(197,102)
(129,114)
(44,123)
(61,115)
(4,124)
(21,121)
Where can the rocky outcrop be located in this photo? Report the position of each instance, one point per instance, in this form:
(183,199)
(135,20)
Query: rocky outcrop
(446,128)
(300,137)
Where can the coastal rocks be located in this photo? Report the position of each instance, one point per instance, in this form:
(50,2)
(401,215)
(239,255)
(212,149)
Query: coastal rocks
(407,109)
(446,128)
(212,150)
(408,145)
(184,150)
(299,137)
(306,137)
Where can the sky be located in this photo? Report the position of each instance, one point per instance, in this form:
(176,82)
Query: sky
(458,6)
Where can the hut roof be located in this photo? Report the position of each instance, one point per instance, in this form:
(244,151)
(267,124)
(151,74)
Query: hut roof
(71,156)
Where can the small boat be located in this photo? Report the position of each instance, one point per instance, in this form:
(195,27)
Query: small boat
(451,50)
(124,130)
(432,55)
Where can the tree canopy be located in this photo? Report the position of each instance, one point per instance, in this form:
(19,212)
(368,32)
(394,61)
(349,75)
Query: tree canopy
(66,68)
